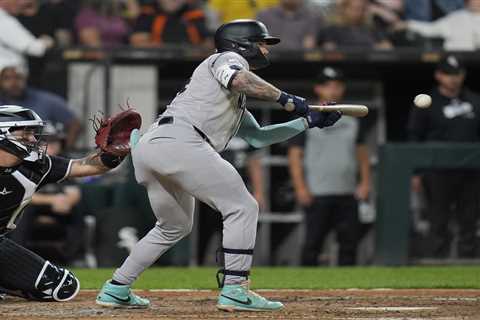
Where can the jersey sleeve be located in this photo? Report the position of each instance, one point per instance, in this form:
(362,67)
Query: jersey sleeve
(225,66)
(59,170)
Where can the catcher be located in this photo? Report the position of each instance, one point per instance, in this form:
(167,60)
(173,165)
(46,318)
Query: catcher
(25,167)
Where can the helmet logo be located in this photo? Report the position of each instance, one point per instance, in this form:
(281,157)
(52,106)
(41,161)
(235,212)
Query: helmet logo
(4,192)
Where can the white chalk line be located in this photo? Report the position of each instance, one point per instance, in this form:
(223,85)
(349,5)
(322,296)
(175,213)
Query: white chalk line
(392,308)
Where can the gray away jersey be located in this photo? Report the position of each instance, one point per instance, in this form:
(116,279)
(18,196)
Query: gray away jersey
(206,101)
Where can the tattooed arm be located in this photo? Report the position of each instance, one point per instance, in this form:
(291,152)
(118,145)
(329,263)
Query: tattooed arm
(89,166)
(253,86)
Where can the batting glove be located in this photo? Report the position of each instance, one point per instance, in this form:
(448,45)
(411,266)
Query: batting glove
(322,119)
(294,103)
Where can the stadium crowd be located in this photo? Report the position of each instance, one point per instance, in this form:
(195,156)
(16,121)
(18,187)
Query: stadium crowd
(328,24)
(30,28)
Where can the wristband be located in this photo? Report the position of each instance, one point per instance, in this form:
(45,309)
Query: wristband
(283,99)
(111,161)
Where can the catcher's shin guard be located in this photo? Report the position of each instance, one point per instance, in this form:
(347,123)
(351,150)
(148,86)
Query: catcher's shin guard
(29,276)
(54,284)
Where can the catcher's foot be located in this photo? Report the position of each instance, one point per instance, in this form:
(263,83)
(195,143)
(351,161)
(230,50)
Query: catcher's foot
(120,296)
(239,297)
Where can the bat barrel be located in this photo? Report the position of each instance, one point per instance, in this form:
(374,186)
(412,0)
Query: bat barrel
(354,110)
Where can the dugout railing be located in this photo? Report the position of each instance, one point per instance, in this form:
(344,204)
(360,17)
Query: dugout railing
(397,163)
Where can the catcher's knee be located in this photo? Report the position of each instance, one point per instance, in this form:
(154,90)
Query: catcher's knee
(54,284)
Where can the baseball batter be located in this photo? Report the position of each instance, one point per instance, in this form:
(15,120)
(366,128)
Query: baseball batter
(178,160)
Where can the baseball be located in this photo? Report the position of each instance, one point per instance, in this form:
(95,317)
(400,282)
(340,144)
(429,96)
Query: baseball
(423,100)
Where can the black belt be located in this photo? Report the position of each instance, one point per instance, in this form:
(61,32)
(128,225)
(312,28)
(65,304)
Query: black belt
(168,120)
(203,135)
(165,120)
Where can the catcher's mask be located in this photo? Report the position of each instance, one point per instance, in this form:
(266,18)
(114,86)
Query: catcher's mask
(21,133)
(242,36)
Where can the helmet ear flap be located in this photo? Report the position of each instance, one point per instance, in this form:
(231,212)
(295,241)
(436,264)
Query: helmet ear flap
(251,52)
(232,45)
(257,59)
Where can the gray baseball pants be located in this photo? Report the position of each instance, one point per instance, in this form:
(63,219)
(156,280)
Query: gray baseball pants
(176,165)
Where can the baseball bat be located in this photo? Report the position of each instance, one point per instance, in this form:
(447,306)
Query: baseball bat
(353,110)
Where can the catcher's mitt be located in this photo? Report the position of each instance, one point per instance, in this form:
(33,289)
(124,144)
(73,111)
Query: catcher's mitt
(113,134)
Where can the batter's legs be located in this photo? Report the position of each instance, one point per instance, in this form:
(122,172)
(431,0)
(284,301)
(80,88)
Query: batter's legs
(174,211)
(183,163)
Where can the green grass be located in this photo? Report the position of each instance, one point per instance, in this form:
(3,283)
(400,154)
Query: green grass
(467,277)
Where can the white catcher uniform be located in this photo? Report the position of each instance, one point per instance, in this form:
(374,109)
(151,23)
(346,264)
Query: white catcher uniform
(177,160)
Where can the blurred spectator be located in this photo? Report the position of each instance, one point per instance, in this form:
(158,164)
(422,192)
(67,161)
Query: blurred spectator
(293,22)
(228,10)
(15,40)
(99,24)
(459,29)
(52,223)
(385,13)
(430,10)
(324,165)
(172,22)
(454,116)
(50,107)
(52,18)
(131,9)
(352,28)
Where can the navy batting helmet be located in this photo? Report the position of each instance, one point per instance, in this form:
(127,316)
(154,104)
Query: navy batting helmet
(242,36)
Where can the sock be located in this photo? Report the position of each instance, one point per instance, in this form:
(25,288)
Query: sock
(229,279)
(115,282)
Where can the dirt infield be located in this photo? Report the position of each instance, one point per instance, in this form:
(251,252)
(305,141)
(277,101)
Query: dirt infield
(316,304)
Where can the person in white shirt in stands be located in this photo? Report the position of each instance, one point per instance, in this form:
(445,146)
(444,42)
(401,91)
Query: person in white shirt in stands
(460,29)
(15,40)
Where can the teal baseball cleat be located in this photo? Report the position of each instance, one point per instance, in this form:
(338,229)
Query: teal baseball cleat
(120,296)
(238,297)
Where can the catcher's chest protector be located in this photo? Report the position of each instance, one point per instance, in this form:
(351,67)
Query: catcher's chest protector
(17,186)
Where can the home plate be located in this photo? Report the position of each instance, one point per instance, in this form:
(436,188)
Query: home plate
(393,308)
